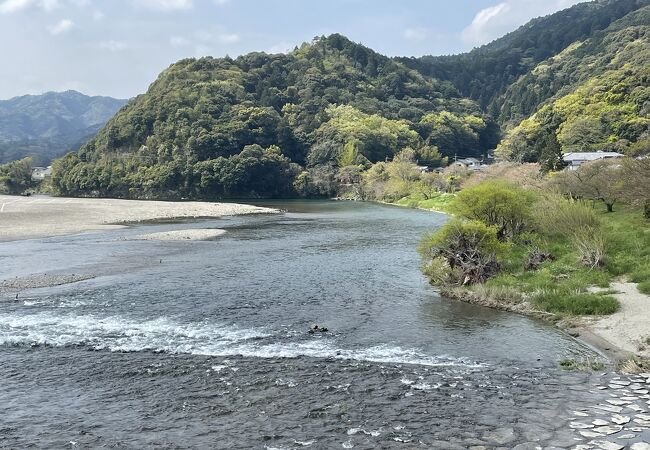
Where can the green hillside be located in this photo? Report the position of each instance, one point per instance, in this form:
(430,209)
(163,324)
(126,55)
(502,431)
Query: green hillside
(599,96)
(186,135)
(285,125)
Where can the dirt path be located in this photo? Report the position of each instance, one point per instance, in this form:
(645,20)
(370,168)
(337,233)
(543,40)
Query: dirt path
(629,328)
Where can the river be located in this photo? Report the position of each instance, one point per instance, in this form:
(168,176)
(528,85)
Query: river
(206,345)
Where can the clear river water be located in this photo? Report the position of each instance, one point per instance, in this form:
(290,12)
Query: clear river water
(206,345)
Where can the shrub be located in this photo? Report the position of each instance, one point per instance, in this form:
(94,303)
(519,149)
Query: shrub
(469,250)
(557,217)
(498,204)
(591,246)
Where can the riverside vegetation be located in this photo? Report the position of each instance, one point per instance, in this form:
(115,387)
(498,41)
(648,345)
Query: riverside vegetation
(538,245)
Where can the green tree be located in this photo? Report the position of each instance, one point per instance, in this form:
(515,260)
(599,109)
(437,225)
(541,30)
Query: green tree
(496,203)
(16,176)
(550,158)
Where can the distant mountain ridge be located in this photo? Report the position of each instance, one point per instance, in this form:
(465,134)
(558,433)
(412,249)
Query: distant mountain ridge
(47,126)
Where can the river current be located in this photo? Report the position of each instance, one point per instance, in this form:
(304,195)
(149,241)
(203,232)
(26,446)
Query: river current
(206,345)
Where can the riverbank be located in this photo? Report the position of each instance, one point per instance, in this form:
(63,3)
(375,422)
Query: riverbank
(594,304)
(42,216)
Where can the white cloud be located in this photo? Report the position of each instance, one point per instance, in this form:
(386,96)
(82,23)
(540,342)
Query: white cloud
(61,26)
(10,6)
(499,19)
(49,5)
(204,40)
(416,34)
(113,46)
(164,5)
(221,2)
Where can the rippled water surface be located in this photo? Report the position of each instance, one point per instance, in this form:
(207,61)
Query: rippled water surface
(205,344)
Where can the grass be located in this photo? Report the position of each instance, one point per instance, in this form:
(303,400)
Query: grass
(562,286)
(584,365)
(438,202)
(576,304)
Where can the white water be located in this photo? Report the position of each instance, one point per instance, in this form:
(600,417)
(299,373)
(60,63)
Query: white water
(119,334)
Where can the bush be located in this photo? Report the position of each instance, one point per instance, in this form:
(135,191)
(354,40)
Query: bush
(496,203)
(591,246)
(469,250)
(557,217)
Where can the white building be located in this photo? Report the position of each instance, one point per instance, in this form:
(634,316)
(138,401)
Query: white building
(576,159)
(470,163)
(39,173)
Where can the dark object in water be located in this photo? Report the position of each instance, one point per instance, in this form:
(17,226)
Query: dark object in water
(316,328)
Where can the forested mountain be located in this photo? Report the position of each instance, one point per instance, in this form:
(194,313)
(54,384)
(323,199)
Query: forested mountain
(49,125)
(209,127)
(598,93)
(486,72)
(281,125)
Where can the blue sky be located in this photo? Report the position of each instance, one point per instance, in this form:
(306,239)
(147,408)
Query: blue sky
(118,47)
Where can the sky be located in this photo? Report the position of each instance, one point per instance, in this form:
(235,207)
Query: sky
(118,47)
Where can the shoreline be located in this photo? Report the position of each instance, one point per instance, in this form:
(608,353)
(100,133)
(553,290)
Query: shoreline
(603,334)
(45,216)
(620,337)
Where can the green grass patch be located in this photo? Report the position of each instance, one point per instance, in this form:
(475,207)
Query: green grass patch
(561,302)
(439,202)
(561,286)
(644,287)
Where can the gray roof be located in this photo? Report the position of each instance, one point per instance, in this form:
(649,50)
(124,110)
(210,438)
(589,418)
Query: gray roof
(589,156)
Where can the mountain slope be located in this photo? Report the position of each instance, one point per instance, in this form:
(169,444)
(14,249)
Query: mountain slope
(598,96)
(48,125)
(278,125)
(485,73)
(184,137)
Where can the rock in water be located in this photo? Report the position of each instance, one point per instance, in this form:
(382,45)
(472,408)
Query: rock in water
(607,445)
(609,429)
(620,420)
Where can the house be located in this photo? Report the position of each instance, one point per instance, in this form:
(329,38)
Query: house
(576,159)
(39,173)
(470,163)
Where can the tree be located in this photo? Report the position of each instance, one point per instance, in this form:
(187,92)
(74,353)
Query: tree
(429,155)
(550,158)
(461,252)
(636,179)
(496,203)
(597,181)
(16,176)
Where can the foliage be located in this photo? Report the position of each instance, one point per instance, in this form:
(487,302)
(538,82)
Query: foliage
(461,252)
(330,101)
(602,180)
(498,204)
(485,73)
(16,176)
(599,102)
